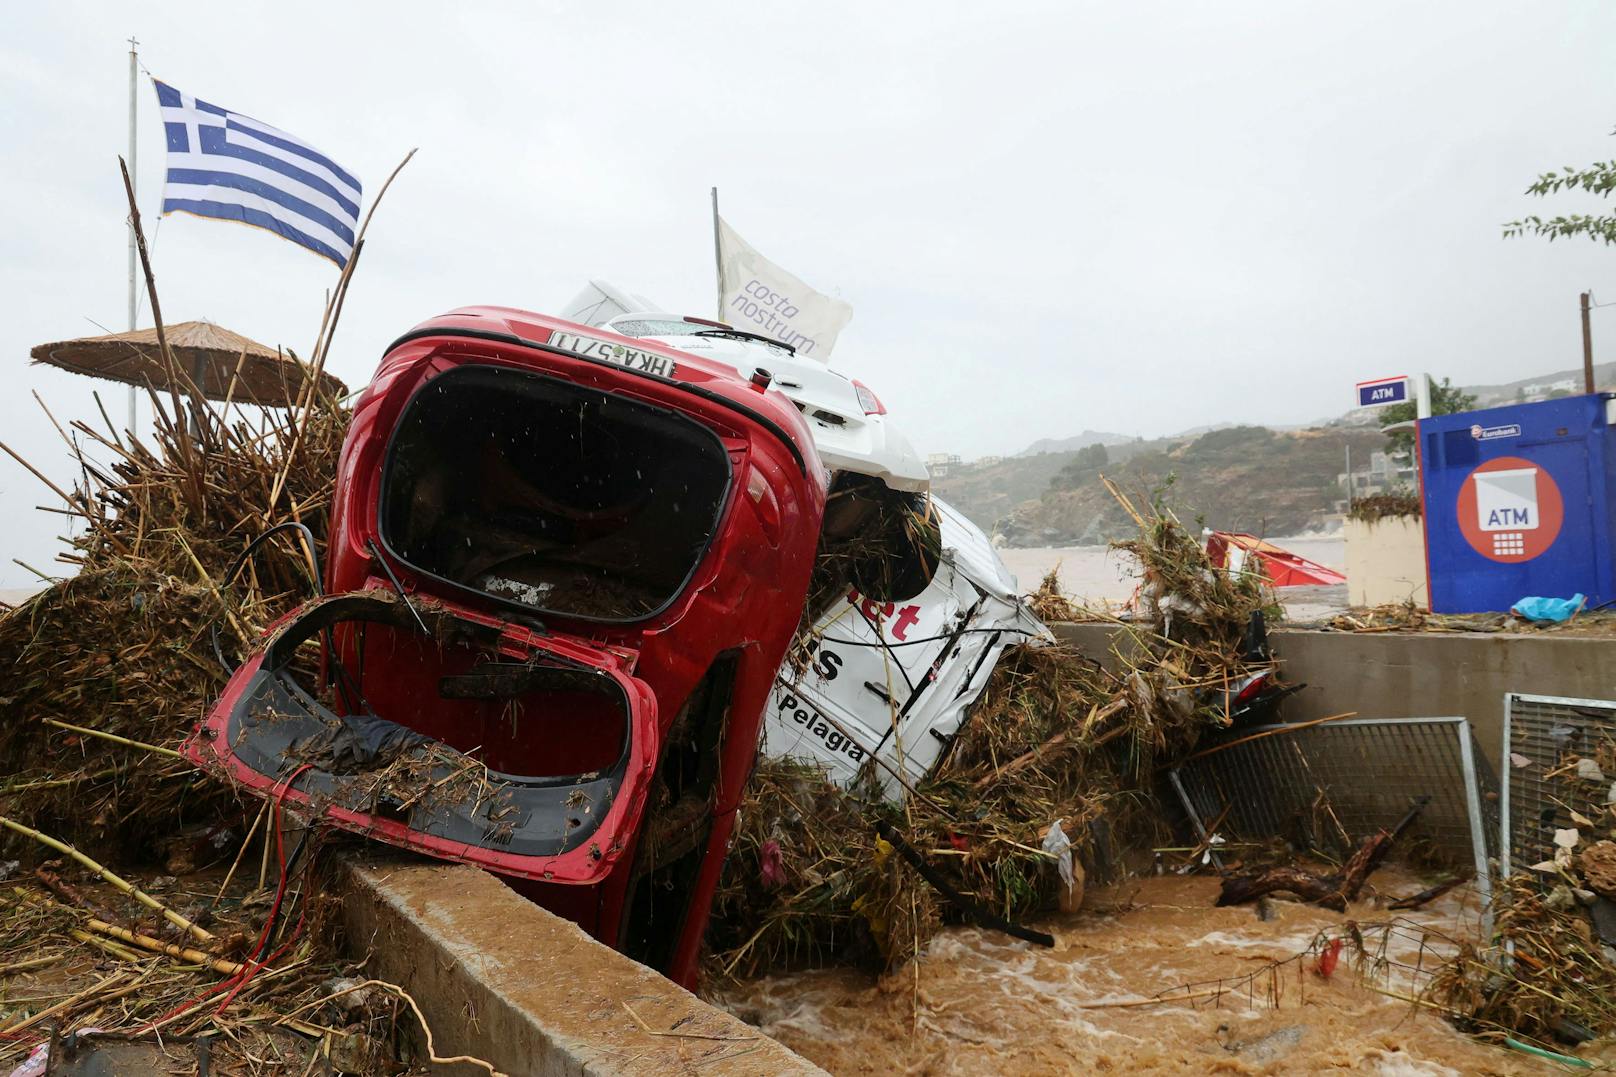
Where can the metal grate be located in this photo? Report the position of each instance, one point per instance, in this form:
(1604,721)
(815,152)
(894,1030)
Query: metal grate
(1545,734)
(1362,774)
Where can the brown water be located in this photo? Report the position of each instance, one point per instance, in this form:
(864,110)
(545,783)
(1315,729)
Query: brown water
(979,1002)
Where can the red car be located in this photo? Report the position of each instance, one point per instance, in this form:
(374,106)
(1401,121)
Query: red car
(563,569)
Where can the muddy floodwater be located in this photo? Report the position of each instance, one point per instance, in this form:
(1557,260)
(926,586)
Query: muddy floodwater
(1097,576)
(981,1003)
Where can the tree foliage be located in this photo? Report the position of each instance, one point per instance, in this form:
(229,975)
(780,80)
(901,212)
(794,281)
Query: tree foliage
(1446,399)
(1235,438)
(1084,464)
(1598,178)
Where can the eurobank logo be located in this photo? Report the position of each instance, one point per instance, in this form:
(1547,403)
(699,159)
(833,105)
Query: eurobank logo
(1488,433)
(1510,510)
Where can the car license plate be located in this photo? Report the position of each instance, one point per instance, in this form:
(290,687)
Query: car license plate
(613,352)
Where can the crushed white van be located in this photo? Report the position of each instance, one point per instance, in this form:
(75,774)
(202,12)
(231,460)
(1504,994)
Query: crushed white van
(893,676)
(891,683)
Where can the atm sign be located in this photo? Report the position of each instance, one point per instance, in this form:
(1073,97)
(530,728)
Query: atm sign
(1383,391)
(1510,510)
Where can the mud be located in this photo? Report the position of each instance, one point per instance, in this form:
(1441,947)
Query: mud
(982,1003)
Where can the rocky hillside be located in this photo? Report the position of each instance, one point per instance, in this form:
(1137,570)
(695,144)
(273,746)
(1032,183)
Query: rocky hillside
(1242,478)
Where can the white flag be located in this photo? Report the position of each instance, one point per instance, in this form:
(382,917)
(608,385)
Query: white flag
(760,297)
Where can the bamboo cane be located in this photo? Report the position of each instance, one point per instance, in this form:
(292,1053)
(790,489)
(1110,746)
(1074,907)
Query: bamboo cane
(322,343)
(114,738)
(146,942)
(120,883)
(29,1022)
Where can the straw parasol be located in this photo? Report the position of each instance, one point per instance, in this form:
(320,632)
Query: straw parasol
(213,358)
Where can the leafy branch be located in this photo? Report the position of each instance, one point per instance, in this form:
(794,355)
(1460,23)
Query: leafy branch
(1598,178)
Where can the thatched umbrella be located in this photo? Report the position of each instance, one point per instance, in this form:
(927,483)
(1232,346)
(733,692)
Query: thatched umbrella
(221,364)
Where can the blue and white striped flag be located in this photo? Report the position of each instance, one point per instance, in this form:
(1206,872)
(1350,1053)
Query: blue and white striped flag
(228,166)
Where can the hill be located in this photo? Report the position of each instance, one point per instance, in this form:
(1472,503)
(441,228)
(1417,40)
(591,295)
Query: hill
(1490,396)
(1242,478)
(1267,480)
(1075,442)
(1535,387)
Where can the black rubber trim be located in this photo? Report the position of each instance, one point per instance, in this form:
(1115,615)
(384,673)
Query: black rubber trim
(706,394)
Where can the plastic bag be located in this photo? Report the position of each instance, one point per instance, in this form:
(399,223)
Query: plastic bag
(1549,610)
(1058,845)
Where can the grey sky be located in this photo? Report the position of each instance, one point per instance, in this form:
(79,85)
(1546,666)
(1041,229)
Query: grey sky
(1046,216)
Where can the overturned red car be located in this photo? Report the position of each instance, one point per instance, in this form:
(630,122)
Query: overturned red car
(563,569)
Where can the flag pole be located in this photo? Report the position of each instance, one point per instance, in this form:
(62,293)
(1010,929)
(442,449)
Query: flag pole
(134,65)
(718,261)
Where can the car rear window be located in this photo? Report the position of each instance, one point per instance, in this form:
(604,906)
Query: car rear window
(550,495)
(656,327)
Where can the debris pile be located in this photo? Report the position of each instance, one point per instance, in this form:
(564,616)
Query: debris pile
(225,974)
(1391,617)
(1546,976)
(1393,506)
(184,547)
(1548,973)
(110,669)
(1050,604)
(1408,617)
(1051,773)
(1333,891)
(874,540)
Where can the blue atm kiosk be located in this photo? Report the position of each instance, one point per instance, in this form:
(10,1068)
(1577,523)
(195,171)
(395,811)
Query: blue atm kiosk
(1520,501)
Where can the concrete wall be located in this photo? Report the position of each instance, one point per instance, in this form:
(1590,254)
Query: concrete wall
(1406,675)
(1386,561)
(1421,675)
(504,980)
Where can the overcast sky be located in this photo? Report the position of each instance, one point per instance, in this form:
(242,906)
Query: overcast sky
(1047,216)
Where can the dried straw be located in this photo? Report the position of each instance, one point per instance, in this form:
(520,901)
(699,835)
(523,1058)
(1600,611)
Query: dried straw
(1056,736)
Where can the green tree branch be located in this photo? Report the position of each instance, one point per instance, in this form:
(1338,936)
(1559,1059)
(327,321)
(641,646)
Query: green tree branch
(1598,178)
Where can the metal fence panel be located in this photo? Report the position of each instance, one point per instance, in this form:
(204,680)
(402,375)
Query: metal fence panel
(1544,735)
(1355,776)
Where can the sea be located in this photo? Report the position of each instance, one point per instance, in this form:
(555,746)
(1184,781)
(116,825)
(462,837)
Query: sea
(1101,578)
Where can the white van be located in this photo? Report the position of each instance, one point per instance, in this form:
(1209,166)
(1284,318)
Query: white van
(893,676)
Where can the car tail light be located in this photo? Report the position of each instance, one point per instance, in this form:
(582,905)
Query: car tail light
(868,400)
(1251,689)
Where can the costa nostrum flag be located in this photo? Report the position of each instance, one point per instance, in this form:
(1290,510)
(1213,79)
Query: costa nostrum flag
(759,296)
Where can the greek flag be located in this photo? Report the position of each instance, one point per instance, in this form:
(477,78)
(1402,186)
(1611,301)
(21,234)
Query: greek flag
(228,166)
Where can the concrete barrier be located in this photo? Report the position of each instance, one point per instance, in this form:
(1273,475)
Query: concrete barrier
(1420,675)
(1386,561)
(504,980)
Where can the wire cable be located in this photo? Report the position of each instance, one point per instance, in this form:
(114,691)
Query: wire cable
(885,644)
(310,551)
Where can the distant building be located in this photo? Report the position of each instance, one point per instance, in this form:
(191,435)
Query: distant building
(944,458)
(1386,472)
(990,461)
(1543,390)
(1563,385)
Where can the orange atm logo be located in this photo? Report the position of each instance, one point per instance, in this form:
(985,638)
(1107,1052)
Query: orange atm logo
(1510,510)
